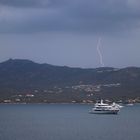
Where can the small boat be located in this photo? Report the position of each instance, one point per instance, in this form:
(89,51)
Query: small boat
(130,104)
(102,108)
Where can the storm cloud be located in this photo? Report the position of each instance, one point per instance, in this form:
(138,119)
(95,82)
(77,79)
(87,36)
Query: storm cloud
(96,16)
(65,32)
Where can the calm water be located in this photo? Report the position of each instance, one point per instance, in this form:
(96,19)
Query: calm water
(67,122)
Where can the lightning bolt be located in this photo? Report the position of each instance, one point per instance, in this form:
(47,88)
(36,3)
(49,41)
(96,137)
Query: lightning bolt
(99,53)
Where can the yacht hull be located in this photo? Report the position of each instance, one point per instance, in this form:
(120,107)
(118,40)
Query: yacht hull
(104,112)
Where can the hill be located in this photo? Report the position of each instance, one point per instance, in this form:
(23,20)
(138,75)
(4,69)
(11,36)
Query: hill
(62,84)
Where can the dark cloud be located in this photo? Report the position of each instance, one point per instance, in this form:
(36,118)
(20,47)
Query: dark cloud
(69,15)
(24,3)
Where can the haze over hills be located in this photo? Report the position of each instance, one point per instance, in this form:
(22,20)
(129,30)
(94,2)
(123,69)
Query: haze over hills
(65,84)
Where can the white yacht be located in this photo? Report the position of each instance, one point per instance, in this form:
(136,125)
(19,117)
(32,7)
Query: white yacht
(102,108)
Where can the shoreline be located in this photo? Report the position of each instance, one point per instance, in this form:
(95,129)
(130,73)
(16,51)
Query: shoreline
(62,103)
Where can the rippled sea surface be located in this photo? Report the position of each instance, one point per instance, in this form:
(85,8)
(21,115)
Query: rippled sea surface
(67,122)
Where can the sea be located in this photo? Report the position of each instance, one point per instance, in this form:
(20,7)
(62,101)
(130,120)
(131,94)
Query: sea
(67,122)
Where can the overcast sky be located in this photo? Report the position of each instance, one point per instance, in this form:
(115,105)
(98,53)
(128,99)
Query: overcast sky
(66,32)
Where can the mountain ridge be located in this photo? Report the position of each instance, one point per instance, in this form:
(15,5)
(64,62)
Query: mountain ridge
(18,75)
